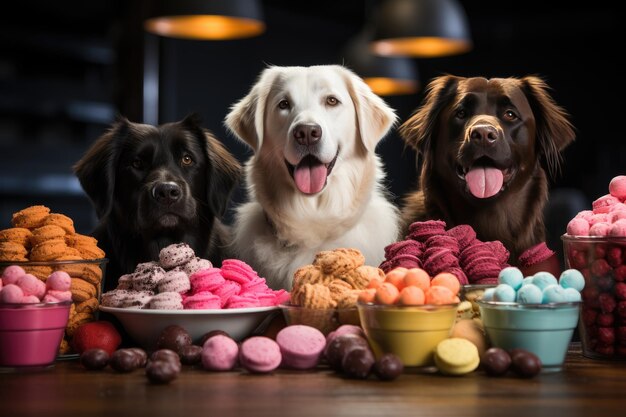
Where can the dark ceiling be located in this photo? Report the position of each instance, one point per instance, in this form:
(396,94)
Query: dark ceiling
(66,69)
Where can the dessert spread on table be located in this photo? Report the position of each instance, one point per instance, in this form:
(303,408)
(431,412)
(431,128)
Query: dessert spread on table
(433,267)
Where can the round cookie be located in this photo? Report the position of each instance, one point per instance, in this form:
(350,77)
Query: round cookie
(82,290)
(46,232)
(175,255)
(49,250)
(456,356)
(259,354)
(87,306)
(76,239)
(89,251)
(339,261)
(30,217)
(11,251)
(61,221)
(16,234)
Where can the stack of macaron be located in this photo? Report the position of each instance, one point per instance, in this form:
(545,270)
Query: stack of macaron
(181,280)
(608,214)
(457,251)
(540,288)
(412,287)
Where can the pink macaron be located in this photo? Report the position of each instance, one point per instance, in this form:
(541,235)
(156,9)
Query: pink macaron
(166,301)
(243,301)
(208,279)
(300,346)
(259,354)
(219,353)
(604,203)
(174,280)
(203,300)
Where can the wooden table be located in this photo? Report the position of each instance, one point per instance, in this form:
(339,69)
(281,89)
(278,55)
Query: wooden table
(584,387)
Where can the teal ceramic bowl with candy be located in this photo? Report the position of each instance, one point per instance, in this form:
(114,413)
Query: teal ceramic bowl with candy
(537,313)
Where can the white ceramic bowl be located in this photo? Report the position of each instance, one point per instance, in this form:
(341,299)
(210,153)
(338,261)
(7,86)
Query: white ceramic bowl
(145,326)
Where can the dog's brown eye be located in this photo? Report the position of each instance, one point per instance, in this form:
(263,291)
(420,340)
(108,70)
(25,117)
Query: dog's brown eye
(283,104)
(137,164)
(187,160)
(510,115)
(332,101)
(460,114)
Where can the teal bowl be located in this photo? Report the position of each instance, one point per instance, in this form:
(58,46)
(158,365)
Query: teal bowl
(543,329)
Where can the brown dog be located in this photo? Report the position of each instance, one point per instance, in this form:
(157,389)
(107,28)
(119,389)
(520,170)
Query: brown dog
(484,144)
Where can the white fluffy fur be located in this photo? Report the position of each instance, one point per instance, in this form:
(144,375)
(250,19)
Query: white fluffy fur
(351,211)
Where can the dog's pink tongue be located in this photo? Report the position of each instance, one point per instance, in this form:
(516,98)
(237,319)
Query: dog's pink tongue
(310,177)
(484,182)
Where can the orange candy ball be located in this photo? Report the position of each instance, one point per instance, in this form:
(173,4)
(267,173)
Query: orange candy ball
(387,294)
(439,295)
(396,277)
(417,277)
(411,296)
(448,280)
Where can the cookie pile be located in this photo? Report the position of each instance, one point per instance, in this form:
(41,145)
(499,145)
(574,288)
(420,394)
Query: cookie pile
(181,280)
(457,251)
(334,280)
(40,236)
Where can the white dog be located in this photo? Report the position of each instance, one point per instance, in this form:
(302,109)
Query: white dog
(314,181)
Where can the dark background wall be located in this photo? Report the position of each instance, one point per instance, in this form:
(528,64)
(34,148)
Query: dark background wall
(66,68)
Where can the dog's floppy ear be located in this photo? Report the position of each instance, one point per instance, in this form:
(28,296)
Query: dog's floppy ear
(223,170)
(96,169)
(374,116)
(247,116)
(420,127)
(554,130)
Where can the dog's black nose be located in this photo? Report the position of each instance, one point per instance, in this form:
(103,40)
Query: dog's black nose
(484,134)
(307,133)
(167,192)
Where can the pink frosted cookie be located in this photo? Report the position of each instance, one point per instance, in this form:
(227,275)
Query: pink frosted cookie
(256,285)
(227,290)
(282,296)
(604,203)
(259,354)
(617,187)
(300,346)
(203,300)
(30,285)
(59,281)
(11,274)
(125,282)
(196,264)
(243,301)
(219,353)
(439,259)
(174,280)
(166,301)
(11,293)
(175,255)
(206,280)
(266,299)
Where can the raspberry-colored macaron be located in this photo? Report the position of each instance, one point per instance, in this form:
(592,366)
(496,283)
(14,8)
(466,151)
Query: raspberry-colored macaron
(421,231)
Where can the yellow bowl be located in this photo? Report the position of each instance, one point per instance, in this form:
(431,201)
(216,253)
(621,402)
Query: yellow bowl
(411,332)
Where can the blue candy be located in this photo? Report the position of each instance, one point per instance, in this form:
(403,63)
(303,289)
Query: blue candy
(544,279)
(572,278)
(529,294)
(554,294)
(511,276)
(527,280)
(488,294)
(504,293)
(571,295)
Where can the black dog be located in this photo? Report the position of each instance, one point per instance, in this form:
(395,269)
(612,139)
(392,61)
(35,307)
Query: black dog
(154,186)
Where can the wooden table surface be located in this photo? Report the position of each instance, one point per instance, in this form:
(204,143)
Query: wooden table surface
(584,387)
